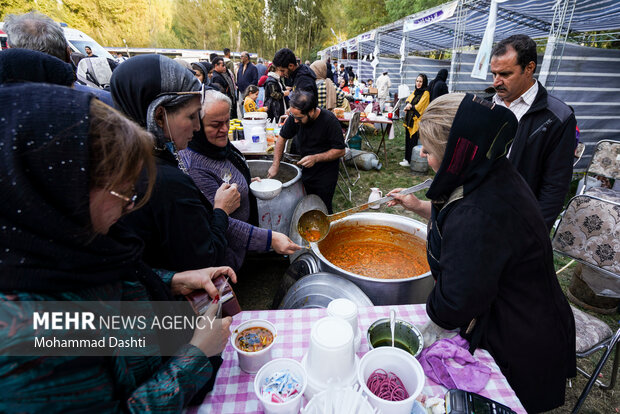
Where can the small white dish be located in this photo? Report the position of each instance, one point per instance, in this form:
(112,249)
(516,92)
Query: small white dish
(266,189)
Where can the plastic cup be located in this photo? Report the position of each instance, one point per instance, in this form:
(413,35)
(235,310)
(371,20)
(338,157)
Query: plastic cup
(251,362)
(331,357)
(346,309)
(291,405)
(401,363)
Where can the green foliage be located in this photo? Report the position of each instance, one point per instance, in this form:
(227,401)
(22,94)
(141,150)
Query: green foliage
(362,16)
(397,9)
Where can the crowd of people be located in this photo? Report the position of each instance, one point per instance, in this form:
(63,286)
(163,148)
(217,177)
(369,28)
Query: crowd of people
(134,192)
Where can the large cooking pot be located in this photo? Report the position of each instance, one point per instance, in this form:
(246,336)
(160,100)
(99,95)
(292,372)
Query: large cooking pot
(382,291)
(276,214)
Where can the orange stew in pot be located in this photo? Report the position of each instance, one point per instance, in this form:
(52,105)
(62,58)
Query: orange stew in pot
(375,251)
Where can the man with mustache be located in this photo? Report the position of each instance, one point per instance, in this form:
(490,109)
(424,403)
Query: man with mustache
(543,147)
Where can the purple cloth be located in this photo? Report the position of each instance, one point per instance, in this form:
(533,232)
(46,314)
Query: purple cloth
(449,363)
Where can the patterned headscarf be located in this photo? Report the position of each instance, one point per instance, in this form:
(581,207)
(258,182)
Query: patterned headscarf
(143,83)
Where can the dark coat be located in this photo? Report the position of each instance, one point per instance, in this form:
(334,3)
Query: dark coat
(177,209)
(273,98)
(438,86)
(220,83)
(304,79)
(543,152)
(491,256)
(247,78)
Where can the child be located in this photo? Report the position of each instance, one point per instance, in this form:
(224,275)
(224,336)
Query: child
(249,104)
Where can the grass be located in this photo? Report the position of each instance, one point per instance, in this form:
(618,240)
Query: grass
(392,176)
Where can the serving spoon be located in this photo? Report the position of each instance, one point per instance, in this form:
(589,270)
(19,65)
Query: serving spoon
(313,225)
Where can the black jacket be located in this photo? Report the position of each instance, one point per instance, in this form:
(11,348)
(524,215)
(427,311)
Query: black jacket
(179,226)
(274,98)
(438,86)
(304,79)
(543,152)
(491,256)
(247,78)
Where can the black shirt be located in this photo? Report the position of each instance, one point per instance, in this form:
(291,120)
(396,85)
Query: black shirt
(315,137)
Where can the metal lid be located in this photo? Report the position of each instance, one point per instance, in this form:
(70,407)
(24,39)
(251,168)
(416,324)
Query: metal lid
(319,289)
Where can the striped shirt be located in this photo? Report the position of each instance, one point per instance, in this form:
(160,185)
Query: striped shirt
(522,104)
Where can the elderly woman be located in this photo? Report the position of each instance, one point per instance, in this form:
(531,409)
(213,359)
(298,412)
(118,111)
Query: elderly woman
(181,229)
(489,250)
(68,170)
(211,159)
(415,107)
(330,96)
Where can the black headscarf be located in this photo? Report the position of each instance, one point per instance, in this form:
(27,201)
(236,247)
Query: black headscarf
(143,83)
(46,242)
(205,68)
(413,113)
(480,135)
(24,65)
(201,145)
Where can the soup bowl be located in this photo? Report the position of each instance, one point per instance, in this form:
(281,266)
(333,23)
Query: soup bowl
(252,361)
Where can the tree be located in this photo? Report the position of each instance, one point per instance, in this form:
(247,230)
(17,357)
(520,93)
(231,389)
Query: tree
(397,9)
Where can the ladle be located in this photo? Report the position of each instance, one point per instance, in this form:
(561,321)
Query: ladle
(313,225)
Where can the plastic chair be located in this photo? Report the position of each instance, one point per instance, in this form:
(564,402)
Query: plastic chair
(586,233)
(345,178)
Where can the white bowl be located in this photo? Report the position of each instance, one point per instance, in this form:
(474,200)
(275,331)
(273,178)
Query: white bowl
(266,189)
(251,362)
(401,363)
(292,405)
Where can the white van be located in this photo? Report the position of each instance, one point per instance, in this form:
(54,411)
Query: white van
(77,41)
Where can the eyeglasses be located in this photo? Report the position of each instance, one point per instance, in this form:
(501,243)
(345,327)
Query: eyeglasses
(298,118)
(128,200)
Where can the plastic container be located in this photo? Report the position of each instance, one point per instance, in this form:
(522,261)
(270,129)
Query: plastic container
(346,309)
(404,366)
(331,357)
(291,405)
(270,136)
(251,362)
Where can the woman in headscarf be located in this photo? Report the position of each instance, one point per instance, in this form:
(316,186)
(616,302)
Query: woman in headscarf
(203,71)
(415,107)
(489,250)
(330,96)
(68,167)
(275,94)
(182,230)
(209,159)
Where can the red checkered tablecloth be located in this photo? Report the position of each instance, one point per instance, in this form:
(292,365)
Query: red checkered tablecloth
(234,389)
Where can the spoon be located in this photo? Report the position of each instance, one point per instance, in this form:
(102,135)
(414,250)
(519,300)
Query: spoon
(313,225)
(392,323)
(226,176)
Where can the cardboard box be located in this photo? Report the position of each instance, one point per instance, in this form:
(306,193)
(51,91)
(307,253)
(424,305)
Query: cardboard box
(372,91)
